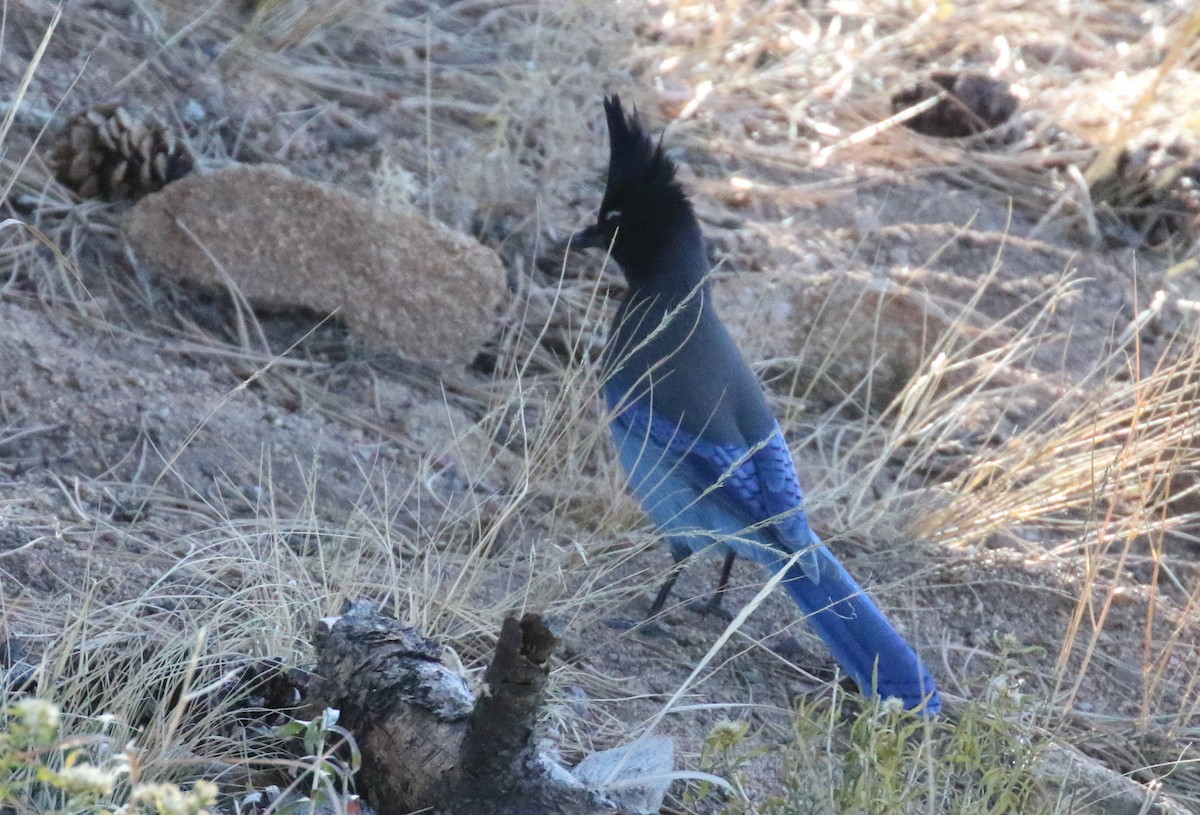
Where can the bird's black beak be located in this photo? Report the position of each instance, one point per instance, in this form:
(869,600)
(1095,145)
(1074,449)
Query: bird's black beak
(589,238)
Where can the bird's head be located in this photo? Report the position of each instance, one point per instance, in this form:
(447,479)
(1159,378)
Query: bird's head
(643,206)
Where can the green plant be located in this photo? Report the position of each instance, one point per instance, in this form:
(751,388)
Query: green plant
(330,776)
(725,754)
(886,760)
(43,772)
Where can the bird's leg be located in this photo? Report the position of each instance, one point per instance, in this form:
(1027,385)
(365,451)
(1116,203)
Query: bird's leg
(713,604)
(664,591)
(680,552)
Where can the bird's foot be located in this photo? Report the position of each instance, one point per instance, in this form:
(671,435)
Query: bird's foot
(648,627)
(712,606)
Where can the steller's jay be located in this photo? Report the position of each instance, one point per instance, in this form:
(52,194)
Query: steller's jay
(703,452)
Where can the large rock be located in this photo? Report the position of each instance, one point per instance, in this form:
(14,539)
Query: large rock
(399,280)
(835,336)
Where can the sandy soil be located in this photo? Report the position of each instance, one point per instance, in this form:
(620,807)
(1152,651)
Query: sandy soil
(138,469)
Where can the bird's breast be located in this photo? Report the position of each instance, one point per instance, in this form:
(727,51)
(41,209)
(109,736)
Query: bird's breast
(681,362)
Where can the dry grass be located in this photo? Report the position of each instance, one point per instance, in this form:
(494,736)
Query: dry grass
(1086,498)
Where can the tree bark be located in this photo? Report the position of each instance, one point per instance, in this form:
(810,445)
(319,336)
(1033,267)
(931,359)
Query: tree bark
(427,744)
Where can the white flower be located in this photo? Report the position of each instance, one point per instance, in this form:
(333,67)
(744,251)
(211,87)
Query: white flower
(168,799)
(39,717)
(85,778)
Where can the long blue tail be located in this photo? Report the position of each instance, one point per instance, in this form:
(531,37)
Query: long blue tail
(863,642)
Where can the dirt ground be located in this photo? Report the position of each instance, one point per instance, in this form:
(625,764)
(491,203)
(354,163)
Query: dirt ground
(159,476)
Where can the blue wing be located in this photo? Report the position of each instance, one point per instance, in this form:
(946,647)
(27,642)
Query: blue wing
(748,500)
(745,499)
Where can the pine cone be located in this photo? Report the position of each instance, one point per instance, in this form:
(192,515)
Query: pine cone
(970,102)
(1152,195)
(110,153)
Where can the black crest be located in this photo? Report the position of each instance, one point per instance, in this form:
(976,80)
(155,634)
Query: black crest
(637,167)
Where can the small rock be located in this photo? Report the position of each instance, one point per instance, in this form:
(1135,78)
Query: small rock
(1062,772)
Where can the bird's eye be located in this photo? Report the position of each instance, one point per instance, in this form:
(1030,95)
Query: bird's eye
(611,215)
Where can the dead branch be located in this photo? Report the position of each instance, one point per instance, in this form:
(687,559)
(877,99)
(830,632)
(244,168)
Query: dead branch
(427,744)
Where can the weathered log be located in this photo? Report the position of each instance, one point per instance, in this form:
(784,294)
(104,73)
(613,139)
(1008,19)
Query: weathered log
(407,711)
(428,745)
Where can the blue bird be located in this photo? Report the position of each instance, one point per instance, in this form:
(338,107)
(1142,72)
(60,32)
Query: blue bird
(702,450)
